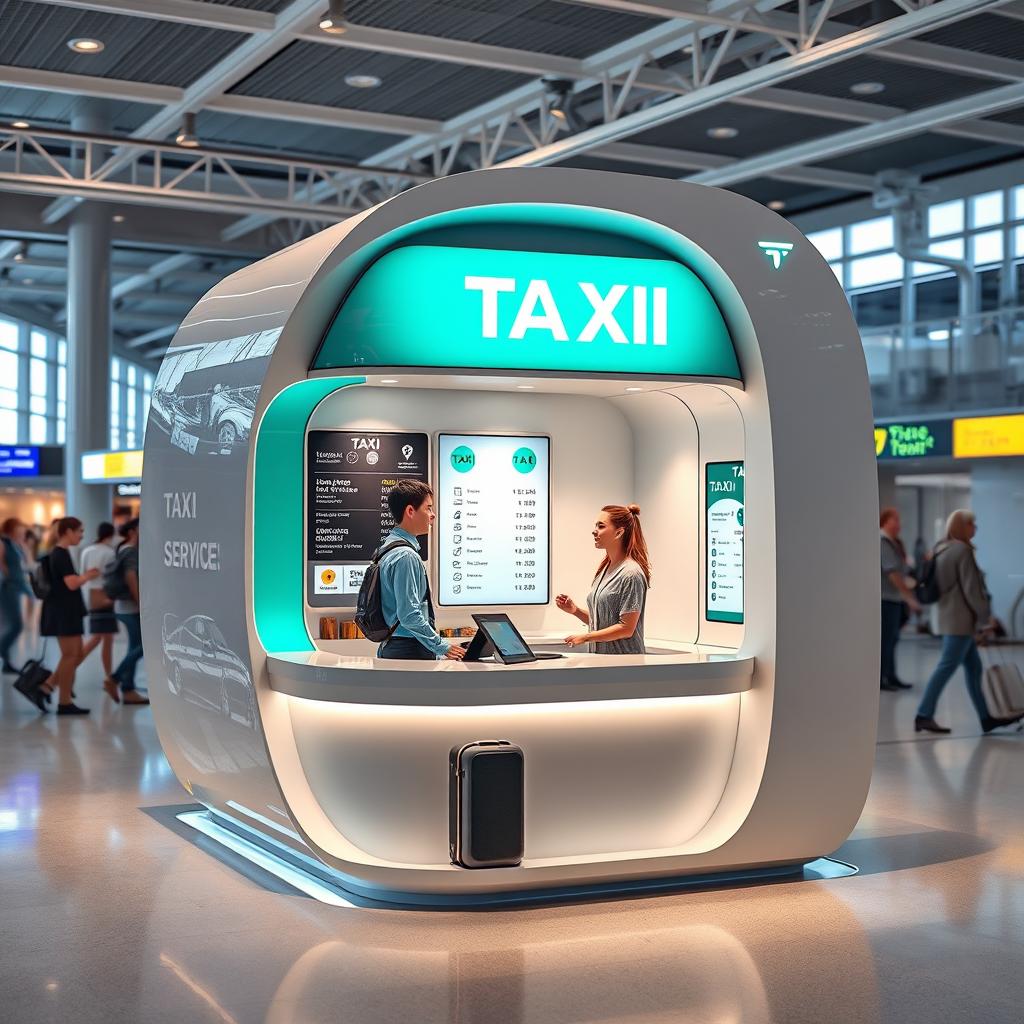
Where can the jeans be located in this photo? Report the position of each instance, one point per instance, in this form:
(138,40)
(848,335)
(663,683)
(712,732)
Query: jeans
(956,651)
(892,619)
(10,612)
(125,671)
(405,647)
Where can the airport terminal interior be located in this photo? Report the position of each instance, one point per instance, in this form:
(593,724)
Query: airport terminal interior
(510,511)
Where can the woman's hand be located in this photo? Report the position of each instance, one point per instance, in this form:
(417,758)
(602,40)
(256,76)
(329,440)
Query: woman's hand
(91,574)
(577,639)
(566,604)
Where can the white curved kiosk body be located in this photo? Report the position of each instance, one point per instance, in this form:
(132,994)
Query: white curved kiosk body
(643,340)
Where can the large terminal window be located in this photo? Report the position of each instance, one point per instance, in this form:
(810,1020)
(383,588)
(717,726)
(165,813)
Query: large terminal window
(723,502)
(493,519)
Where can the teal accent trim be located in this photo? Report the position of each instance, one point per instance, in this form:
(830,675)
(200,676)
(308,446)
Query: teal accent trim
(409,305)
(278,566)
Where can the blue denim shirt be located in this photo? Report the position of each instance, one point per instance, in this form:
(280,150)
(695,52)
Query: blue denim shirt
(15,576)
(403,593)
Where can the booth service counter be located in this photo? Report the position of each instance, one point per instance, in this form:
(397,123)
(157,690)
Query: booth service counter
(534,344)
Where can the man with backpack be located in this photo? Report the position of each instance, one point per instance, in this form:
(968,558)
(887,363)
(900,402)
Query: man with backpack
(895,595)
(121,584)
(404,591)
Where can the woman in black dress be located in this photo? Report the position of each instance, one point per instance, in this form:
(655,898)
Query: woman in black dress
(64,613)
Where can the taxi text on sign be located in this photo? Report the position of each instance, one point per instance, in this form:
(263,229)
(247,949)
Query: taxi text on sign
(493,308)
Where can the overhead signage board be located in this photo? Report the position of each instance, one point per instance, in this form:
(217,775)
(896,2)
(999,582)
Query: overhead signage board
(493,519)
(20,461)
(723,503)
(914,439)
(429,306)
(984,437)
(112,467)
(349,474)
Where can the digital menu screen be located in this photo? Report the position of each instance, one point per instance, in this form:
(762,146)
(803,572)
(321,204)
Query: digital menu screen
(349,474)
(723,501)
(493,520)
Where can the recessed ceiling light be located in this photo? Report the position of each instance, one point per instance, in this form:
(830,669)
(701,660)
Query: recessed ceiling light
(388,380)
(724,132)
(634,389)
(525,387)
(86,45)
(118,218)
(777,204)
(28,280)
(333,22)
(362,81)
(19,257)
(20,124)
(867,88)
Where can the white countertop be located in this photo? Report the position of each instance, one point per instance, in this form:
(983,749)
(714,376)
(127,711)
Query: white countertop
(678,670)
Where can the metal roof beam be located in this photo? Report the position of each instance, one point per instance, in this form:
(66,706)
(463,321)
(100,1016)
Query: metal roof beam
(309,113)
(694,11)
(186,12)
(821,55)
(157,334)
(833,146)
(88,85)
(449,51)
(229,71)
(841,109)
(683,159)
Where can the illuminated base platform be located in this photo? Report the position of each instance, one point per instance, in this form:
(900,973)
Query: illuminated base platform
(313,878)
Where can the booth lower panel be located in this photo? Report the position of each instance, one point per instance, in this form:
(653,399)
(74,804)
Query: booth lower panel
(318,881)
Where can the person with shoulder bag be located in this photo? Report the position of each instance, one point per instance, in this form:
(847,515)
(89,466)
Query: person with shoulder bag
(100,608)
(121,583)
(964,611)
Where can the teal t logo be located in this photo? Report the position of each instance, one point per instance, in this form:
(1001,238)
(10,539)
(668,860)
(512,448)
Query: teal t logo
(524,460)
(776,251)
(463,459)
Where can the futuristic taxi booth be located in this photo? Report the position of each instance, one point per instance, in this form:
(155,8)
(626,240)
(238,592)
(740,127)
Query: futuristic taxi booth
(536,344)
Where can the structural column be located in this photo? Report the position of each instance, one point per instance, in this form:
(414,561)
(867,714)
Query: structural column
(89,347)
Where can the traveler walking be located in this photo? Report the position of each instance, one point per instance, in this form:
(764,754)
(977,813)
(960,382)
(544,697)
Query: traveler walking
(13,588)
(102,623)
(63,612)
(122,579)
(897,597)
(964,611)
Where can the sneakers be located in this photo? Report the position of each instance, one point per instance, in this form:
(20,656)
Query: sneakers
(71,709)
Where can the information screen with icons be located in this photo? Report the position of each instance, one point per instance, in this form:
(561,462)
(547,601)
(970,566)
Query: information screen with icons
(723,500)
(493,519)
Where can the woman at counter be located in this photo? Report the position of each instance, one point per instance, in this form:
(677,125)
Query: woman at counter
(615,604)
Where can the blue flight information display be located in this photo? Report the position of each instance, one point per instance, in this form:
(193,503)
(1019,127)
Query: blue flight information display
(19,461)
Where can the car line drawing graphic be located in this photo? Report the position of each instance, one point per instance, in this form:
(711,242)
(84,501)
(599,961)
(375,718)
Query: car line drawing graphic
(203,670)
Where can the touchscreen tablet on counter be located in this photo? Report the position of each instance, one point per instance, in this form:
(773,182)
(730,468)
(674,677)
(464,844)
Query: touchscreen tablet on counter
(498,636)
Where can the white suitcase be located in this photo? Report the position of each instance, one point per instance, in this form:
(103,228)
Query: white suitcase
(1003,687)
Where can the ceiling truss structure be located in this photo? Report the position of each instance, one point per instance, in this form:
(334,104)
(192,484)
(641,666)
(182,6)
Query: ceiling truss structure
(704,53)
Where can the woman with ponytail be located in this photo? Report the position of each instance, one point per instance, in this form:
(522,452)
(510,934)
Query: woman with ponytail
(615,604)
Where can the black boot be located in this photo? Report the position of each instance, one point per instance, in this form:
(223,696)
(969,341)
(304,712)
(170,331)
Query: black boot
(929,725)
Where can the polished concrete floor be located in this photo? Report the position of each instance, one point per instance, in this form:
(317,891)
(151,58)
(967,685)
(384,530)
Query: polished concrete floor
(107,914)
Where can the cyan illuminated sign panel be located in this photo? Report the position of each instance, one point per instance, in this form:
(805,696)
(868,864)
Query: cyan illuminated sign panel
(494,308)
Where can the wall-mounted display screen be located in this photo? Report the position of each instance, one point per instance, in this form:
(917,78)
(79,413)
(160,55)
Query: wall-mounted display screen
(19,461)
(348,476)
(493,520)
(723,503)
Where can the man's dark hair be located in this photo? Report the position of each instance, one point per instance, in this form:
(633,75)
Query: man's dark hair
(104,531)
(406,493)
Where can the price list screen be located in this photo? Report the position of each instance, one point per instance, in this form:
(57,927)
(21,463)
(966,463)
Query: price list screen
(724,538)
(493,519)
